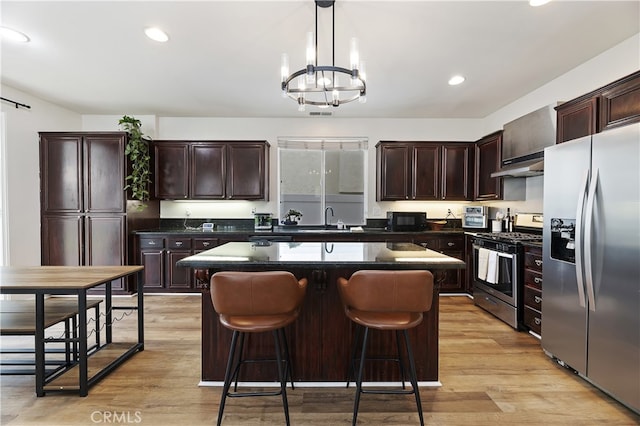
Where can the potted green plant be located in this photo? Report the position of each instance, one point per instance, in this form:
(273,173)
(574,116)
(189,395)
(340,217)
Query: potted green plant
(137,152)
(292,217)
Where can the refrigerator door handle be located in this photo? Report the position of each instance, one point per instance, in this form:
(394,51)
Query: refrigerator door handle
(588,240)
(579,216)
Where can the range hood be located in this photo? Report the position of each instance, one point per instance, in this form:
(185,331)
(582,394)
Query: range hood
(535,168)
(523,142)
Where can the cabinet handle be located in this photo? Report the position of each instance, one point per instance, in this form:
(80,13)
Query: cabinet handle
(537,280)
(151,243)
(205,244)
(538,299)
(179,243)
(538,262)
(451,244)
(537,321)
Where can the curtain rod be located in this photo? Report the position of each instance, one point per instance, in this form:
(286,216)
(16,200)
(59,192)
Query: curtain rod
(17,104)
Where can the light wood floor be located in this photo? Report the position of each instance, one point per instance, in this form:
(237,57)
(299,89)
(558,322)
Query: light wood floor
(490,374)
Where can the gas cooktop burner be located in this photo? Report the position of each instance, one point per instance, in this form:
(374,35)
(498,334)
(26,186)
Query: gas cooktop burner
(513,237)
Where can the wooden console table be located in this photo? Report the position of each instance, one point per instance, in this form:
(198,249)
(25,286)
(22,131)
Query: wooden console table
(73,280)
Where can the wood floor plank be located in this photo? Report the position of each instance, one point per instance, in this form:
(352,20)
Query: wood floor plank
(490,375)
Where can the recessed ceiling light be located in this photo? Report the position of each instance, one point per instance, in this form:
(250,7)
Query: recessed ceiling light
(455,80)
(13,35)
(156,34)
(536,3)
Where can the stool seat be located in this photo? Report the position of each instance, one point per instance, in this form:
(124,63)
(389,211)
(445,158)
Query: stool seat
(385,320)
(257,323)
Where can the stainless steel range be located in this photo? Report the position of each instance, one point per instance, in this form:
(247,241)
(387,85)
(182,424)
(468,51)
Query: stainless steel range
(497,268)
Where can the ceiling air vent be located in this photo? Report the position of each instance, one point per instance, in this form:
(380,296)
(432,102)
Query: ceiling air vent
(320,113)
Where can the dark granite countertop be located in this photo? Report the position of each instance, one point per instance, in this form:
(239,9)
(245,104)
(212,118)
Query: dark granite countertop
(238,255)
(282,230)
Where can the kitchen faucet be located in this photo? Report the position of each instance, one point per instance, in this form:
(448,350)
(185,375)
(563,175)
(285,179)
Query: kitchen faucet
(326,210)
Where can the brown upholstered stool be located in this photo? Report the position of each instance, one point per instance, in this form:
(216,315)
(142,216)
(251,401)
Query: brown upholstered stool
(391,301)
(257,302)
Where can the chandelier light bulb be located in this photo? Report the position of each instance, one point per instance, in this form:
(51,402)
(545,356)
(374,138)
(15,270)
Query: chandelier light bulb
(284,67)
(354,55)
(311,50)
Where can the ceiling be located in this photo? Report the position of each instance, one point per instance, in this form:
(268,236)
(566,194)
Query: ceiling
(223,57)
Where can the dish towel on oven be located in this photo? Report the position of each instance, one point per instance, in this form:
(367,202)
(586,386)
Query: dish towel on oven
(483,261)
(492,267)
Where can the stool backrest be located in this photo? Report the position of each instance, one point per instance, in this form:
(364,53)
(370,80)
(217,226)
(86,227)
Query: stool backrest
(388,291)
(256,293)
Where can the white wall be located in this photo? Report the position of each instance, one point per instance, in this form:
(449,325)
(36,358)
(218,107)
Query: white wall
(22,169)
(22,140)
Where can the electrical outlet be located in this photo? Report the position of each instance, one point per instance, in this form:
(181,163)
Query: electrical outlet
(187,212)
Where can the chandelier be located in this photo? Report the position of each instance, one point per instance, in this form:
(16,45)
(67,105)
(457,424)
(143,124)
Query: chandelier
(324,85)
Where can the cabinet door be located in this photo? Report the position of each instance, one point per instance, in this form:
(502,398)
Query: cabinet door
(425,176)
(171,170)
(488,151)
(456,172)
(62,240)
(105,243)
(177,276)
(153,262)
(208,171)
(576,120)
(247,171)
(620,105)
(393,172)
(61,181)
(104,174)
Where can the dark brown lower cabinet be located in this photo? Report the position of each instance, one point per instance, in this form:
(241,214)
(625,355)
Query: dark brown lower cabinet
(451,280)
(159,255)
(319,340)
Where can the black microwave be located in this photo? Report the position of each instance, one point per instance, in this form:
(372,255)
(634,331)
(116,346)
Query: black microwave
(406,221)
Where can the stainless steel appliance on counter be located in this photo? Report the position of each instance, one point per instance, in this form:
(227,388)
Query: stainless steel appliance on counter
(591,293)
(497,268)
(475,217)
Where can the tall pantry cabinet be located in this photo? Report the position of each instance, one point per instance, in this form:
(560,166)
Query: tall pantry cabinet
(82,202)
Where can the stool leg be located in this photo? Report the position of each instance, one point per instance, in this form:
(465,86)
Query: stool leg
(401,364)
(228,375)
(236,371)
(352,359)
(288,372)
(363,354)
(283,379)
(414,380)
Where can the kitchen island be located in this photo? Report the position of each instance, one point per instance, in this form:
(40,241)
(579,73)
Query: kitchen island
(320,339)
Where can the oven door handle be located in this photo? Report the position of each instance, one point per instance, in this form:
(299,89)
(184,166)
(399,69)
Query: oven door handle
(579,217)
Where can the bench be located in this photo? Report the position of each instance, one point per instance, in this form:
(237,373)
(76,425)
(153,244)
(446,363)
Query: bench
(18,318)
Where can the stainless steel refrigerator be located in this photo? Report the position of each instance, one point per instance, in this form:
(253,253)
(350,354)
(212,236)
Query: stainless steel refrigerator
(591,264)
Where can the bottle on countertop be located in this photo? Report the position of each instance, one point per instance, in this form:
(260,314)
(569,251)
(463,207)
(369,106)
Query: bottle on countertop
(508,221)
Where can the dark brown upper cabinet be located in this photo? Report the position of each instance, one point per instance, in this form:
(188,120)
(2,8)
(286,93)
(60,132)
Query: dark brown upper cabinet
(425,171)
(576,119)
(488,152)
(211,170)
(620,105)
(616,104)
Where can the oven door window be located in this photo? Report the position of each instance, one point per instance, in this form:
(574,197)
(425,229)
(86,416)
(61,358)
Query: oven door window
(495,270)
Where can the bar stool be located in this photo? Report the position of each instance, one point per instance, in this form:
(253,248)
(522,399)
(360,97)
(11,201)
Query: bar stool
(257,302)
(387,301)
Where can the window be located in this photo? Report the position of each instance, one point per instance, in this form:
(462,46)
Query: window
(323,178)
